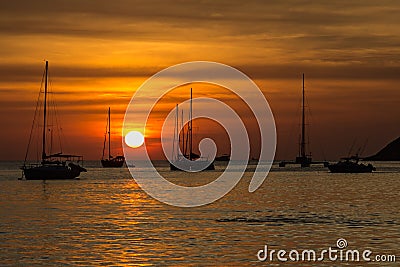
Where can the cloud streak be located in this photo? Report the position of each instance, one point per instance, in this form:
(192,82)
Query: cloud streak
(357,71)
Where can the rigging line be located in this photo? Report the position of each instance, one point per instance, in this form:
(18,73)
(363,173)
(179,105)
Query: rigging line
(104,145)
(191,125)
(55,111)
(174,138)
(54,116)
(34,119)
(50,126)
(105,138)
(315,122)
(187,138)
(61,135)
(298,124)
(311,122)
(299,110)
(109,133)
(363,148)
(294,126)
(59,129)
(38,132)
(352,146)
(177,131)
(183,134)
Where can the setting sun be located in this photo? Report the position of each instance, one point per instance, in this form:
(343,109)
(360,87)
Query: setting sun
(134,139)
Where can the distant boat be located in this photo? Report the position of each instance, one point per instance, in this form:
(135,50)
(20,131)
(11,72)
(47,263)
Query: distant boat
(52,166)
(351,165)
(110,162)
(188,160)
(304,158)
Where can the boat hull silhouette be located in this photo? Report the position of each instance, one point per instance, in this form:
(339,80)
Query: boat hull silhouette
(53,172)
(113,163)
(350,167)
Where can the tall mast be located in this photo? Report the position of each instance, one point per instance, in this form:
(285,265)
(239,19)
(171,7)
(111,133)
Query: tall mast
(303,128)
(187,139)
(177,131)
(183,135)
(109,130)
(190,125)
(45,113)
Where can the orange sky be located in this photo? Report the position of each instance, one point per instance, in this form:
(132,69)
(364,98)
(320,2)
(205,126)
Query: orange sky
(100,53)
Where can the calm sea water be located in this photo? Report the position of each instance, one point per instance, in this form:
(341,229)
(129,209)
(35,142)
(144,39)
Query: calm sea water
(105,219)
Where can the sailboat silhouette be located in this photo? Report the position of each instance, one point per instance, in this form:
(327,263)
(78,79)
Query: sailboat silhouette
(53,165)
(110,161)
(188,160)
(304,158)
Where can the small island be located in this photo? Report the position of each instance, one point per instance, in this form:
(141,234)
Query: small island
(391,152)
